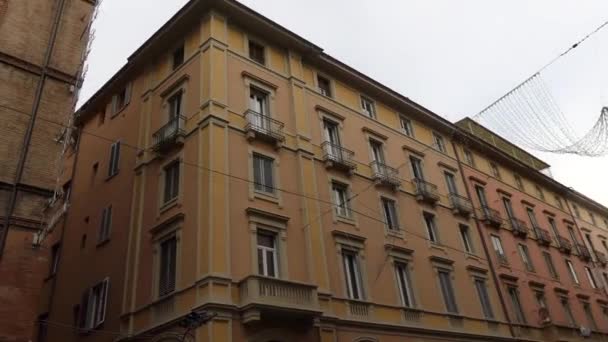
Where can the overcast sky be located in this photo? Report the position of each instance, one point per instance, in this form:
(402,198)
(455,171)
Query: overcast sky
(453,57)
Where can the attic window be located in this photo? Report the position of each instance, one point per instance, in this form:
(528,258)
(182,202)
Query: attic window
(256,52)
(178,57)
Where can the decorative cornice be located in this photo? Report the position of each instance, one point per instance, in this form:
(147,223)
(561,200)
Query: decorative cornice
(259,212)
(413,150)
(374,133)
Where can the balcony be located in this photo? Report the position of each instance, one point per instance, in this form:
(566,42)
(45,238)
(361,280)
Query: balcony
(170,135)
(385,175)
(461,205)
(543,237)
(337,157)
(491,217)
(601,258)
(518,227)
(564,244)
(261,295)
(425,191)
(263,127)
(583,252)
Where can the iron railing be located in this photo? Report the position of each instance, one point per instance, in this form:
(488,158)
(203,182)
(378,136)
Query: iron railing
(385,174)
(258,123)
(426,191)
(542,236)
(564,244)
(168,134)
(338,155)
(601,257)
(491,216)
(518,227)
(461,204)
(583,252)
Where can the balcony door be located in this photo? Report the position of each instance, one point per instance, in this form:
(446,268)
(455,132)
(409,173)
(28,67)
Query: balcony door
(451,182)
(508,207)
(258,103)
(332,135)
(377,152)
(417,168)
(483,201)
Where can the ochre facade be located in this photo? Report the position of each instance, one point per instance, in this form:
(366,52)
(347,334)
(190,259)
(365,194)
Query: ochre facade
(294,199)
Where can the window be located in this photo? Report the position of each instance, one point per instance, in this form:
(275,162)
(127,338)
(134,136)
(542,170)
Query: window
(121,99)
(417,169)
(450,180)
(332,134)
(445,282)
(406,126)
(258,102)
(576,212)
(468,157)
(178,57)
(390,214)
(553,226)
(550,265)
(175,106)
(263,175)
(568,311)
(168,264)
(559,203)
(605,275)
(590,277)
(589,315)
(508,207)
(539,192)
(114,159)
(572,271)
(352,274)
(525,257)
(267,254)
(377,151)
(605,245)
(516,305)
(589,241)
(171,181)
(54,259)
(368,106)
(466,238)
(482,292)
(500,252)
(256,52)
(106,225)
(405,285)
(540,299)
(438,142)
(518,182)
(324,86)
(572,234)
(495,170)
(341,199)
(483,201)
(592,217)
(43,328)
(532,217)
(93,306)
(431,228)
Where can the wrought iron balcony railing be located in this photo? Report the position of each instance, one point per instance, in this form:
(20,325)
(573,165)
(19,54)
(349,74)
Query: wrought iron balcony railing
(425,191)
(564,244)
(264,127)
(601,258)
(461,205)
(542,236)
(170,134)
(518,227)
(583,252)
(502,259)
(491,217)
(338,157)
(384,174)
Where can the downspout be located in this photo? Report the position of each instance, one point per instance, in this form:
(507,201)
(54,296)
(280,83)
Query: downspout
(483,243)
(30,128)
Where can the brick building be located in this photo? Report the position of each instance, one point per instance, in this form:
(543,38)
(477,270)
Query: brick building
(41,48)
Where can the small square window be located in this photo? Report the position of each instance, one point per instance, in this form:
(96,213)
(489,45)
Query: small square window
(178,57)
(369,107)
(256,52)
(406,126)
(324,86)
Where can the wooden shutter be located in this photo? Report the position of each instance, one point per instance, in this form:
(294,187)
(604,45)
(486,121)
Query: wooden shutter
(84,308)
(167,267)
(116,156)
(103,301)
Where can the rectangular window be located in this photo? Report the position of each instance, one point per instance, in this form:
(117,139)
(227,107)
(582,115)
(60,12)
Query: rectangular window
(468,157)
(568,311)
(93,306)
(106,224)
(518,182)
(54,258)
(553,226)
(171,181)
(406,126)
(377,151)
(267,254)
(540,299)
(592,217)
(439,142)
(405,285)
(508,207)
(431,227)
(417,170)
(352,274)
(175,106)
(532,217)
(495,170)
(605,245)
(516,305)
(263,173)
(572,271)
(466,238)
(589,315)
(324,86)
(550,265)
(369,107)
(576,212)
(114,159)
(121,99)
(450,180)
(481,195)
(525,257)
(390,213)
(445,281)
(500,252)
(258,103)
(341,199)
(178,57)
(332,134)
(167,266)
(482,292)
(539,192)
(256,52)
(559,203)
(590,277)
(572,235)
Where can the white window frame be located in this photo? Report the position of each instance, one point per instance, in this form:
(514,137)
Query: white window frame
(515,299)
(274,251)
(590,277)
(329,92)
(550,264)
(406,125)
(484,297)
(524,253)
(96,304)
(263,187)
(105,228)
(572,271)
(431,227)
(390,213)
(404,284)
(356,293)
(498,248)
(465,236)
(368,106)
(439,142)
(113,165)
(341,196)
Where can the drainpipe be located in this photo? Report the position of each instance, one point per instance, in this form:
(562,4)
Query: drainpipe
(483,243)
(30,128)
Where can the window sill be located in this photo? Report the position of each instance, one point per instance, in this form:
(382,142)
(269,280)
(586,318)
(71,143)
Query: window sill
(102,243)
(395,233)
(169,204)
(118,111)
(434,245)
(108,178)
(346,219)
(266,196)
(471,256)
